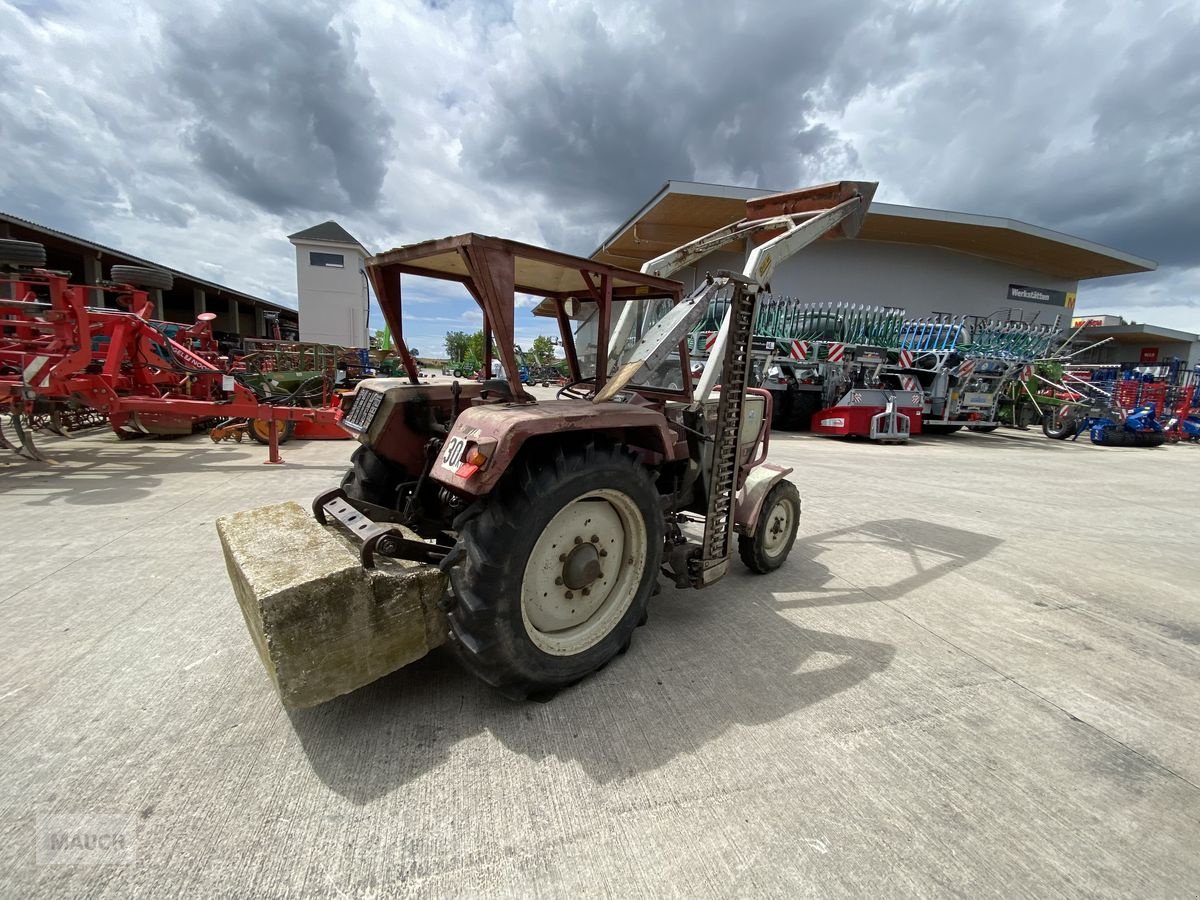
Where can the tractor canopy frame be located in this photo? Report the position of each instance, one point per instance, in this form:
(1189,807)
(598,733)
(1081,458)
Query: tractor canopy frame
(493,271)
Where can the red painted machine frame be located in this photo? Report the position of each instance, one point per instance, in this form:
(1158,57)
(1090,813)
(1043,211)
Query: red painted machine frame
(54,346)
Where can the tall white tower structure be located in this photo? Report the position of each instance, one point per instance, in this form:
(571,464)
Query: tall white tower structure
(331,284)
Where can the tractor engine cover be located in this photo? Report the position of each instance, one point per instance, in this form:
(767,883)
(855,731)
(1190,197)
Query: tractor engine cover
(395,418)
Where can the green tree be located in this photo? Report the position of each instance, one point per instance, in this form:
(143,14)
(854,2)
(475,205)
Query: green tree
(543,350)
(458,345)
(475,346)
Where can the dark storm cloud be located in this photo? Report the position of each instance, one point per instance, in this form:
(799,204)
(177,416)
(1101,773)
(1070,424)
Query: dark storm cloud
(1088,123)
(598,112)
(284,116)
(1147,147)
(43,162)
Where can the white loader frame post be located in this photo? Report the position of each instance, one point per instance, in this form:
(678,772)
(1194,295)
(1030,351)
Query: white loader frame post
(800,229)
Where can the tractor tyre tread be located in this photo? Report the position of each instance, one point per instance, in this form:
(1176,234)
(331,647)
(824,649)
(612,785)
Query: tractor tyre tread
(141,277)
(751,549)
(1058,428)
(371,478)
(23,254)
(487,631)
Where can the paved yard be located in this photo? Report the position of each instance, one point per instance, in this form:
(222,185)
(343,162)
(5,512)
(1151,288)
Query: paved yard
(978,674)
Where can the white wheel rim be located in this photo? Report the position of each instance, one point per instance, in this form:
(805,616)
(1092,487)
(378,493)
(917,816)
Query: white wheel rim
(777,526)
(564,621)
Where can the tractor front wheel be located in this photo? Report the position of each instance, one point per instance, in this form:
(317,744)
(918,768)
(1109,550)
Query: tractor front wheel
(776,531)
(553,575)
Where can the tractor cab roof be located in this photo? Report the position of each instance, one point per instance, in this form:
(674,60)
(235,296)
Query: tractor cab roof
(494,270)
(536,270)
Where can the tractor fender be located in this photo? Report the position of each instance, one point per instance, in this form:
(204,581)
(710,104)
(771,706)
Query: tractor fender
(750,498)
(500,431)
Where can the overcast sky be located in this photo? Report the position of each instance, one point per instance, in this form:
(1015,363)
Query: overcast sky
(199,134)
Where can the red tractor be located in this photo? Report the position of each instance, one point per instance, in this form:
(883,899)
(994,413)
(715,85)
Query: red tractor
(554,518)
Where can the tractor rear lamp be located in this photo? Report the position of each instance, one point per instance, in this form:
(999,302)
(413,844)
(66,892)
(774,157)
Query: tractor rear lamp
(472,460)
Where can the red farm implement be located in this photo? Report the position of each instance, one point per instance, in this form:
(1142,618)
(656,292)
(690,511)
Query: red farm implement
(64,349)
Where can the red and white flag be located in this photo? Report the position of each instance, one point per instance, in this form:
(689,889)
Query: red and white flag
(836,351)
(906,359)
(799,350)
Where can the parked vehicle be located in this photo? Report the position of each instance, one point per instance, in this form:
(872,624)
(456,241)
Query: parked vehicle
(1106,425)
(554,519)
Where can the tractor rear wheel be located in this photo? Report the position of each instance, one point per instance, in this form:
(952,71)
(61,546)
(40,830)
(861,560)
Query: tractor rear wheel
(776,531)
(260,430)
(552,575)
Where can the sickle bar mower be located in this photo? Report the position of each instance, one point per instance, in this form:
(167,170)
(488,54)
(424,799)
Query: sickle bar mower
(62,351)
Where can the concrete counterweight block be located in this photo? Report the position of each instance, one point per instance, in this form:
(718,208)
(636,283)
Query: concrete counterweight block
(323,624)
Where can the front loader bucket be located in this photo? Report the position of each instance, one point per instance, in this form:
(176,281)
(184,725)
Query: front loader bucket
(814,199)
(323,625)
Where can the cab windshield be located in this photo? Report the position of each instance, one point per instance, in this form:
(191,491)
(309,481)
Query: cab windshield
(630,319)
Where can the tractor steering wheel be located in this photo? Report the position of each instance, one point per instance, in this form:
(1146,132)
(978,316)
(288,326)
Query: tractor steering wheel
(583,389)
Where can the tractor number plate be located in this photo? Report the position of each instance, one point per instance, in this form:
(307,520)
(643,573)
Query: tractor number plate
(453,454)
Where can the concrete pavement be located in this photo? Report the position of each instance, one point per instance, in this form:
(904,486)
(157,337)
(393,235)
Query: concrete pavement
(979,674)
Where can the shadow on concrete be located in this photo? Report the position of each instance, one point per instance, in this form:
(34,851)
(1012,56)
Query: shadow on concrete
(932,551)
(707,662)
(992,440)
(643,710)
(1013,439)
(92,471)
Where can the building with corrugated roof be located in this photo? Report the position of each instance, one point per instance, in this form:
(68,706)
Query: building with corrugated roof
(239,315)
(925,261)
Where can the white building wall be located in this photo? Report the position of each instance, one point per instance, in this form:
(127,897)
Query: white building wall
(333,302)
(921,280)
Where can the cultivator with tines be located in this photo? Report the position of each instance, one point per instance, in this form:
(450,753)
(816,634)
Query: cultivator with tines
(930,334)
(787,319)
(790,319)
(21,442)
(944,372)
(1011,340)
(978,338)
(1126,401)
(962,364)
(63,350)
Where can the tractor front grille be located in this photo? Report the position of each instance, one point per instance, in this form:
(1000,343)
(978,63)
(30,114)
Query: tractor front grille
(366,404)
